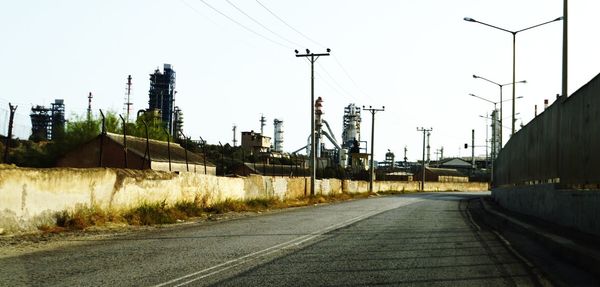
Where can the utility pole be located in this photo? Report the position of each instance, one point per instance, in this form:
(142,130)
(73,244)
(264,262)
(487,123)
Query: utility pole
(425,131)
(11,119)
(473,148)
(372,171)
(234,132)
(312,58)
(128,103)
(565,56)
(405,151)
(89,110)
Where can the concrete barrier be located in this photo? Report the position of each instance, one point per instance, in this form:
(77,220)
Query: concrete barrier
(576,209)
(29,197)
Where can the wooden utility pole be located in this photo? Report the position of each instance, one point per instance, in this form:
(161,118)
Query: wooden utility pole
(312,58)
(372,168)
(425,131)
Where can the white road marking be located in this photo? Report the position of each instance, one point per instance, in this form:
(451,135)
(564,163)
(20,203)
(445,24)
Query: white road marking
(294,242)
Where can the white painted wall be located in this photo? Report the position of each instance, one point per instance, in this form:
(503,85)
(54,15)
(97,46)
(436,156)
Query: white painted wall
(29,196)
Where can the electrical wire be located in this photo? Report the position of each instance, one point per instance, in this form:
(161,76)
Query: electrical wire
(260,24)
(290,26)
(245,27)
(336,86)
(336,82)
(350,77)
(333,87)
(310,39)
(199,13)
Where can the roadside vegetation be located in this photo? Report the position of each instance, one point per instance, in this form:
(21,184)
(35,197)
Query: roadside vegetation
(157,213)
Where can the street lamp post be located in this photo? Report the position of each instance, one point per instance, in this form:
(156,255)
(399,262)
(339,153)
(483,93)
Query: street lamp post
(501,101)
(514,36)
(312,58)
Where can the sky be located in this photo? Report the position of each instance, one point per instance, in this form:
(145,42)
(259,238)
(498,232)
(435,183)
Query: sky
(235,61)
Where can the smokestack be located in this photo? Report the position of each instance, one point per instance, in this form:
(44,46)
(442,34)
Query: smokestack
(535,111)
(545,104)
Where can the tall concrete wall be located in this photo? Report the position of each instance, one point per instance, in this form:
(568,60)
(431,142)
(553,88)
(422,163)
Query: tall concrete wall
(29,196)
(562,144)
(576,209)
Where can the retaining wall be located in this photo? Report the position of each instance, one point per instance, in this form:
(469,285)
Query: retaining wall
(560,145)
(29,197)
(576,209)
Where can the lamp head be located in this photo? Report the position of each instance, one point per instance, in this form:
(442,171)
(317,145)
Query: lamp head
(559,18)
(475,76)
(469,19)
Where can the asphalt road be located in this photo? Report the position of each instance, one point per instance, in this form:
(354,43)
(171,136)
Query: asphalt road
(416,240)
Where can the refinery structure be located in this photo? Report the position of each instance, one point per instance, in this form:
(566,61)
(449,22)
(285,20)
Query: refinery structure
(48,123)
(346,150)
(161,100)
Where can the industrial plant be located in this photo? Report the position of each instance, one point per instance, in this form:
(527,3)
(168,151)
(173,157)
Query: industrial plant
(161,102)
(48,123)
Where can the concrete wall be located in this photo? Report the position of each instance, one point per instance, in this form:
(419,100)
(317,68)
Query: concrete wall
(28,196)
(576,209)
(559,145)
(182,167)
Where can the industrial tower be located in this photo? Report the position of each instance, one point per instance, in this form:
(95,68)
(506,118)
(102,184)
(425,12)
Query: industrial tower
(162,95)
(48,123)
(278,136)
(351,130)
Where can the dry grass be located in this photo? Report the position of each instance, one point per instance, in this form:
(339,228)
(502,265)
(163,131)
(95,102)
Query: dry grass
(154,213)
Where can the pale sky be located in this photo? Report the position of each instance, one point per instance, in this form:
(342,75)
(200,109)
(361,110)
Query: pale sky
(416,58)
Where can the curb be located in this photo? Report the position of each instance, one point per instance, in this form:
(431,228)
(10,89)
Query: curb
(567,249)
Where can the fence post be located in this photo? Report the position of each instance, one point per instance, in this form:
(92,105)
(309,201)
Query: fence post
(222,157)
(124,139)
(102,134)
(147,151)
(13,109)
(204,153)
(168,146)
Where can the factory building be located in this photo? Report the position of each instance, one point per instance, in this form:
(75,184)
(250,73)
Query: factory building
(255,142)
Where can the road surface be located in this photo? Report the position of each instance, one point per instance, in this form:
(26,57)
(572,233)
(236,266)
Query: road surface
(417,240)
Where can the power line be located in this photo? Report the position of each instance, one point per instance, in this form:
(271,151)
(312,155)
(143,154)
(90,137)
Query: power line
(290,26)
(334,81)
(260,24)
(245,27)
(350,77)
(334,88)
(199,13)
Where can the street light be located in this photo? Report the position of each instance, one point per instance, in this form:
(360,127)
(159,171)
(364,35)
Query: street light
(501,101)
(514,34)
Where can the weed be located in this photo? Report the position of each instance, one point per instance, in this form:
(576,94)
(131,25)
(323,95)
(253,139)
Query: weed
(150,213)
(81,217)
